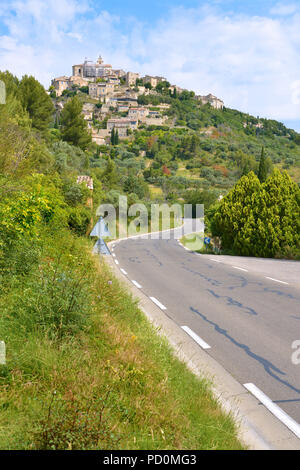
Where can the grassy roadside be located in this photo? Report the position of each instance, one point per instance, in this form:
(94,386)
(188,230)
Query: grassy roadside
(98,376)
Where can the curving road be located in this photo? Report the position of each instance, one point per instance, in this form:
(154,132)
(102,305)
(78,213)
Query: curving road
(246,311)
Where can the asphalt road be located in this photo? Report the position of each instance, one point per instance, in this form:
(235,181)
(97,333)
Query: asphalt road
(248,320)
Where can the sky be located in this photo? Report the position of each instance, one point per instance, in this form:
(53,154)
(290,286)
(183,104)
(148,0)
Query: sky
(246,52)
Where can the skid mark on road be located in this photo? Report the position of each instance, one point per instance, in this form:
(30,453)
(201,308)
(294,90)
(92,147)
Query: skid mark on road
(134,259)
(270,368)
(280,293)
(152,256)
(213,282)
(232,302)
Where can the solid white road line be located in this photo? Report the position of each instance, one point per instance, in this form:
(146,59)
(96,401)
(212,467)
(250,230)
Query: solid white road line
(123,271)
(116,261)
(277,280)
(196,338)
(241,269)
(157,302)
(274,409)
(136,284)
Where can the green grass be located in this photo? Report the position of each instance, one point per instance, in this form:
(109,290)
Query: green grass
(111,383)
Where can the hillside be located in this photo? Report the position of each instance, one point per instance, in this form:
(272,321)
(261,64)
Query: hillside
(194,146)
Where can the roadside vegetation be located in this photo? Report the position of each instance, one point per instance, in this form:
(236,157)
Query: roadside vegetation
(85,370)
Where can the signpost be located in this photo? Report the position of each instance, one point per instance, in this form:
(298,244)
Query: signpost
(100,230)
(206,242)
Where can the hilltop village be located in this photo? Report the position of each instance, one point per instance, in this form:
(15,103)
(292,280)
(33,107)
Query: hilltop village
(113,98)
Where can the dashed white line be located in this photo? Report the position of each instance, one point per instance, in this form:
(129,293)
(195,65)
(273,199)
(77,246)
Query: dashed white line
(123,271)
(274,409)
(216,260)
(116,261)
(157,302)
(277,280)
(241,269)
(136,284)
(114,255)
(196,338)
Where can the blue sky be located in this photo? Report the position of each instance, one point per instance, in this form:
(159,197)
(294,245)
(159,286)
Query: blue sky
(245,52)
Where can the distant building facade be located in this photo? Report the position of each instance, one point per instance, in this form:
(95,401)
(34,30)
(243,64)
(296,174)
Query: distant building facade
(90,69)
(122,126)
(131,78)
(100,90)
(212,100)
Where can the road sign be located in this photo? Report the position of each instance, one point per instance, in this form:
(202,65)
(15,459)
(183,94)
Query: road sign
(206,240)
(100,230)
(101,248)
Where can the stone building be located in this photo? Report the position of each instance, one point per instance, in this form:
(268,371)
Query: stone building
(100,90)
(131,78)
(137,113)
(122,126)
(92,70)
(60,84)
(212,100)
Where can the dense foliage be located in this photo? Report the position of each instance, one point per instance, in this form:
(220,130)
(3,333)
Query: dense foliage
(260,219)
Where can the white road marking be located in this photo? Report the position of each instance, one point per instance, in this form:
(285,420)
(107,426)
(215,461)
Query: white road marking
(157,302)
(196,338)
(241,269)
(277,280)
(116,261)
(274,409)
(114,255)
(123,271)
(136,284)
(216,260)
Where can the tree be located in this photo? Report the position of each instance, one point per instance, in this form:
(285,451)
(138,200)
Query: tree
(112,136)
(110,175)
(73,125)
(116,137)
(36,102)
(260,219)
(262,170)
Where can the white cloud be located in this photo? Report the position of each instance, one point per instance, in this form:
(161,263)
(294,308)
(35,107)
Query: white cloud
(252,62)
(284,9)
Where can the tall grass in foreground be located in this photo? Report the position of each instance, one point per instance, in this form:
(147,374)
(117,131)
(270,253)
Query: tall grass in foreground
(85,369)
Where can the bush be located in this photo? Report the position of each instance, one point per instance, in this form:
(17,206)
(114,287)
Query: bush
(257,219)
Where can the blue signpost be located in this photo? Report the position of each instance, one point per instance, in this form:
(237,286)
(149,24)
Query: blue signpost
(100,230)
(206,240)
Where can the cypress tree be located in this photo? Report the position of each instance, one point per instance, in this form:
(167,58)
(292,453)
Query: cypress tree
(263,167)
(112,136)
